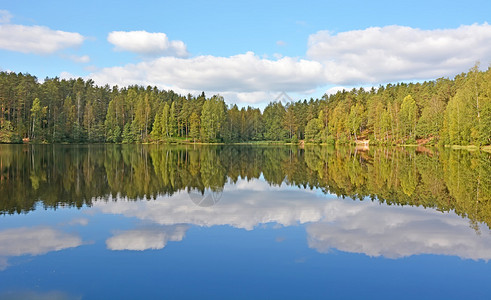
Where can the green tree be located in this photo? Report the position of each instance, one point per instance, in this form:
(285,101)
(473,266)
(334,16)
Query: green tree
(6,132)
(232,129)
(338,121)
(142,116)
(290,120)
(374,116)
(273,122)
(212,118)
(116,136)
(460,118)
(408,117)
(313,131)
(431,121)
(385,124)
(194,126)
(485,124)
(164,121)
(38,113)
(128,134)
(172,121)
(89,120)
(355,119)
(157,128)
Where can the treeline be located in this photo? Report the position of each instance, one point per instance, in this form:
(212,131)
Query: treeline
(62,175)
(443,111)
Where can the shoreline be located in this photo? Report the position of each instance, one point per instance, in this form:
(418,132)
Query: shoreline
(301,144)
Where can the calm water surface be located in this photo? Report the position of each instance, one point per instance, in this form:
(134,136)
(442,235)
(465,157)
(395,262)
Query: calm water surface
(230,222)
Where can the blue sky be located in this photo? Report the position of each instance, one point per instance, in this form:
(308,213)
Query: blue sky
(248,51)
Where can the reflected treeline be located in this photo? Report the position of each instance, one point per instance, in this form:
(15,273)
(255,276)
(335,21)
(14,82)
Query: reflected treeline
(68,175)
(447,180)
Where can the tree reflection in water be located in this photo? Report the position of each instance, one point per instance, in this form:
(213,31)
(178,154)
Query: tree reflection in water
(75,175)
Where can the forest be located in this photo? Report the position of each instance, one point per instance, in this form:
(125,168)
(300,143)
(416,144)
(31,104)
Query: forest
(443,111)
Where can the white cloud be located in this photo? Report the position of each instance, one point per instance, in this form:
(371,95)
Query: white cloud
(249,98)
(335,89)
(5,16)
(391,53)
(147,43)
(278,55)
(66,75)
(243,73)
(37,39)
(33,241)
(370,56)
(146,238)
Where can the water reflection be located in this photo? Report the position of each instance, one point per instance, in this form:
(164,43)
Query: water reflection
(352,226)
(36,295)
(155,237)
(396,232)
(258,185)
(245,205)
(34,241)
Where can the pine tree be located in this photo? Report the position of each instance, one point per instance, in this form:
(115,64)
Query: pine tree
(194,126)
(116,134)
(164,121)
(172,123)
(157,128)
(128,136)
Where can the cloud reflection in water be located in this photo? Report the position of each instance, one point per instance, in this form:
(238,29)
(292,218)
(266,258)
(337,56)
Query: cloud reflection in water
(331,223)
(146,238)
(34,241)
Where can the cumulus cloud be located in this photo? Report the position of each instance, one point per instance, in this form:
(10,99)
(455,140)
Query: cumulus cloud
(250,98)
(37,39)
(146,238)
(381,54)
(365,57)
(243,73)
(335,89)
(147,43)
(67,75)
(34,241)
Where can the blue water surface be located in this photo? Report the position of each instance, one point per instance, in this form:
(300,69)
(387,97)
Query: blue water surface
(257,242)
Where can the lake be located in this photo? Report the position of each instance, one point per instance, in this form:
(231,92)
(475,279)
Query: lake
(243,222)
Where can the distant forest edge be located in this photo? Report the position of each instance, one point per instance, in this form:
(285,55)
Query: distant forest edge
(443,111)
